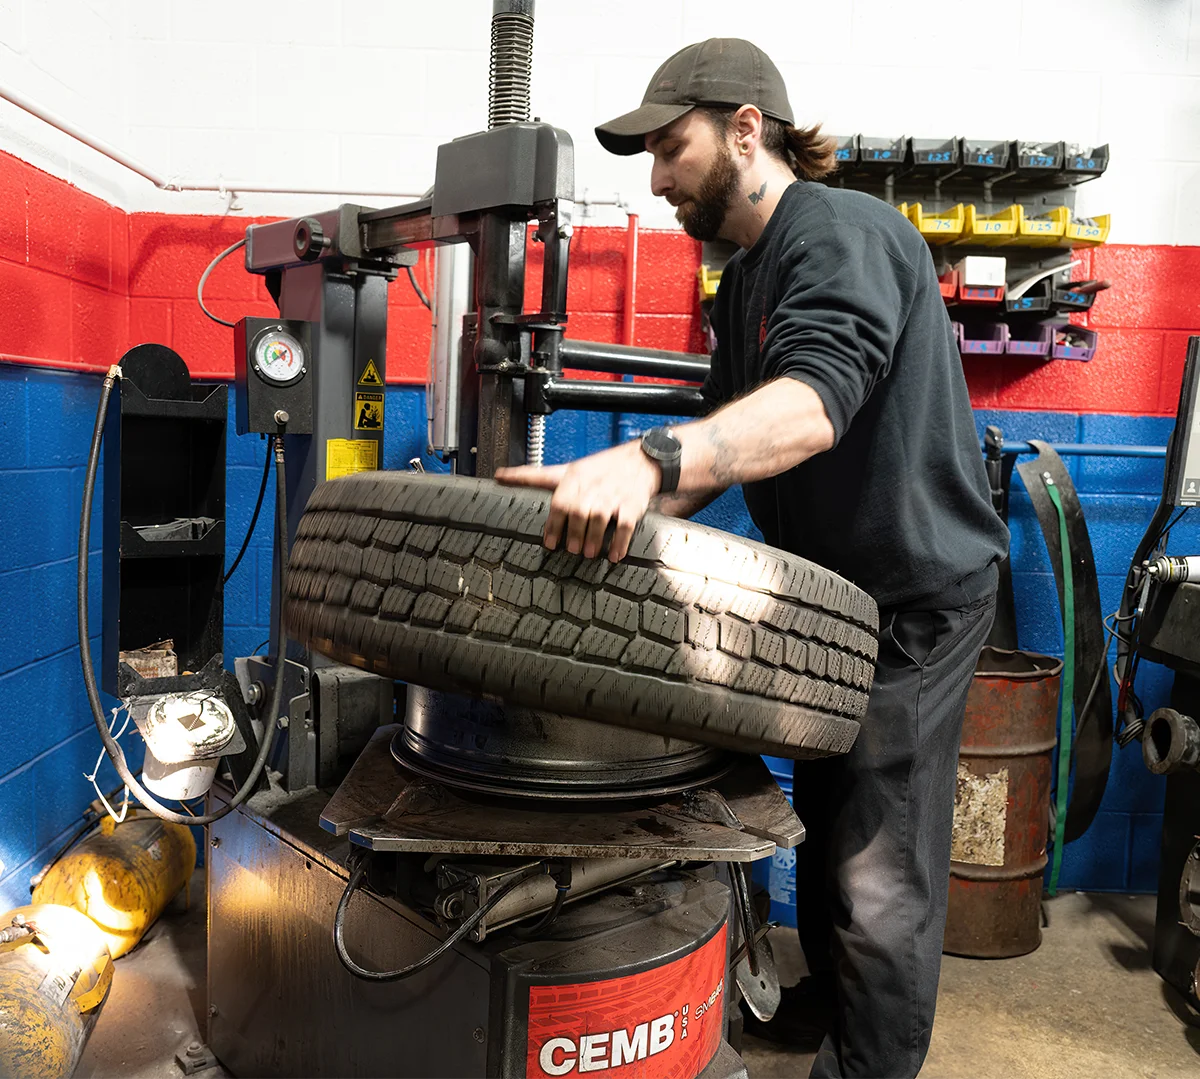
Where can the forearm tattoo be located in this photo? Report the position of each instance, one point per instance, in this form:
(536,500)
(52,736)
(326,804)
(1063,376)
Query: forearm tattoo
(724,459)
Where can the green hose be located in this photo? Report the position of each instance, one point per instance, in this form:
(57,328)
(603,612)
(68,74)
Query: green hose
(1068,685)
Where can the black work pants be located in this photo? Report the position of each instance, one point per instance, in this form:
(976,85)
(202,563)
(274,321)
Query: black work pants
(872,875)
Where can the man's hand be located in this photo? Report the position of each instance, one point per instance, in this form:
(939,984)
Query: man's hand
(778,426)
(590,494)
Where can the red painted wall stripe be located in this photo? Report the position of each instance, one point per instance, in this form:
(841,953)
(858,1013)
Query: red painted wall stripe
(82,281)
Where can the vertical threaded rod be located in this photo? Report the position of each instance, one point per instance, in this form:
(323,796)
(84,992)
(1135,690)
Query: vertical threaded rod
(535,441)
(511,63)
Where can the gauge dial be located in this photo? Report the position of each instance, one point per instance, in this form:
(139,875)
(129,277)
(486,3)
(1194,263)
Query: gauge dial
(279,357)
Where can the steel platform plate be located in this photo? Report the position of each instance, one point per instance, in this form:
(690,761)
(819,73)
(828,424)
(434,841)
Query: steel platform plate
(383,806)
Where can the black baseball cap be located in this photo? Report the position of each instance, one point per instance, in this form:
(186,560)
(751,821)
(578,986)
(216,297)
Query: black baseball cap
(719,71)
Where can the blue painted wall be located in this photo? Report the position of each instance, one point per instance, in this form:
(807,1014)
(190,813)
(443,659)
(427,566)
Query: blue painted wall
(47,738)
(47,741)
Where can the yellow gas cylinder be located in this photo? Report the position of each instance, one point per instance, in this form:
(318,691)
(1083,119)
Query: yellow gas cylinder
(55,972)
(122,876)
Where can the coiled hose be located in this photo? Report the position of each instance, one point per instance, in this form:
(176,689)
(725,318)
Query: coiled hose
(115,753)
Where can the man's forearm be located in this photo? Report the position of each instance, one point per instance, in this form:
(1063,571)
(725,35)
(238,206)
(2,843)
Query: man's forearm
(755,437)
(685,505)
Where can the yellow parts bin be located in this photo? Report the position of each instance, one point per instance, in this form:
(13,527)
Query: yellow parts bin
(55,972)
(709,280)
(1044,229)
(1088,231)
(122,876)
(942,227)
(989,229)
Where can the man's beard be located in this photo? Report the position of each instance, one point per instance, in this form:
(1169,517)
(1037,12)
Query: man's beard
(703,215)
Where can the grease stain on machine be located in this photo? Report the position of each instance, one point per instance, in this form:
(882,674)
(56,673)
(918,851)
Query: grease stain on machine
(980,815)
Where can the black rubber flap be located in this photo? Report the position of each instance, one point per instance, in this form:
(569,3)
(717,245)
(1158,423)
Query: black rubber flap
(1093,731)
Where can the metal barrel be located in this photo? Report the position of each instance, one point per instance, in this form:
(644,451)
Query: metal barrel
(1002,806)
(122,876)
(55,973)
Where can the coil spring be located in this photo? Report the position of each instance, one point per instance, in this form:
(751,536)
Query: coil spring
(511,63)
(535,441)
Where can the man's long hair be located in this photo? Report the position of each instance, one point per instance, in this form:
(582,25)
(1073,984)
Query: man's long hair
(808,153)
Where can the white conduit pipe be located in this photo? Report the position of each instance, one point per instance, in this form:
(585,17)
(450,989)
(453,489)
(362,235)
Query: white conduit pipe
(162,183)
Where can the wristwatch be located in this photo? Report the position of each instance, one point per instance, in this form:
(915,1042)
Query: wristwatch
(660,444)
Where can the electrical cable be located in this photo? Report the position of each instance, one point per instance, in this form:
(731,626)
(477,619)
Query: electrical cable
(90,819)
(547,919)
(339,923)
(204,277)
(262,490)
(115,753)
(120,819)
(418,290)
(1128,651)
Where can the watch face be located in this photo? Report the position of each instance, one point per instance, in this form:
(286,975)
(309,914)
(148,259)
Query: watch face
(279,357)
(660,442)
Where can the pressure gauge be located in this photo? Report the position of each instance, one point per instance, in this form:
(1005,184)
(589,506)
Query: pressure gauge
(278,357)
(271,361)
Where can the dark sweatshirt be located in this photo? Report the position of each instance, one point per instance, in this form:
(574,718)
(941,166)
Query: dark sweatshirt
(840,292)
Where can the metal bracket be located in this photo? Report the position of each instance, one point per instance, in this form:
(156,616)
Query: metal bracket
(195,1057)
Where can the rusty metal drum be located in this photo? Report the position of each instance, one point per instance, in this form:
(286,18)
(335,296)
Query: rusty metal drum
(1002,806)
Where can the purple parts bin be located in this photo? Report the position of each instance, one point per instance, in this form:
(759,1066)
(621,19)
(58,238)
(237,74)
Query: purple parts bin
(984,339)
(1074,343)
(1030,339)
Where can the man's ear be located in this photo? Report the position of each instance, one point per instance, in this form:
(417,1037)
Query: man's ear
(747,127)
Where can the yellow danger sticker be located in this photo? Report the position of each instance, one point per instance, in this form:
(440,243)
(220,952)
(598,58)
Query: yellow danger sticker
(368,411)
(345,456)
(370,376)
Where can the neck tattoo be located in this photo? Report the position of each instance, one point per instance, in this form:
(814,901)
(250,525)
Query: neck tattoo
(756,197)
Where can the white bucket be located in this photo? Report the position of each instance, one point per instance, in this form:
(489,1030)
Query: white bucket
(185,734)
(183,781)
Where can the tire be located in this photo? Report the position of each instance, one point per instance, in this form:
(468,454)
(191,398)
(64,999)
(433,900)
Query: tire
(696,634)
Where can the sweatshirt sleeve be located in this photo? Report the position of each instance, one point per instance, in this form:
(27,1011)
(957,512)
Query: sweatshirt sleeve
(843,301)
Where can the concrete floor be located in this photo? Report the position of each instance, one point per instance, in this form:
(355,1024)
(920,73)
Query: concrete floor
(1086,1003)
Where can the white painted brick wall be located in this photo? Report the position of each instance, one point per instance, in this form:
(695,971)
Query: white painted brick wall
(357,94)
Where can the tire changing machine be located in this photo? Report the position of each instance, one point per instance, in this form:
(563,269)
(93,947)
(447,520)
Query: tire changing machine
(600,873)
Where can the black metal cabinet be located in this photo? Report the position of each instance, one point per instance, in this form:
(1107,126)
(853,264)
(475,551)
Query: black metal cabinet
(164,513)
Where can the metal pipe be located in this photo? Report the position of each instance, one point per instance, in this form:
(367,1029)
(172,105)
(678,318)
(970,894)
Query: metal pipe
(60,123)
(631,254)
(625,360)
(1083,449)
(624,397)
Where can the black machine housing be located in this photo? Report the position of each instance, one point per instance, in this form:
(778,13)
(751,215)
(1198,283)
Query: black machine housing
(1169,633)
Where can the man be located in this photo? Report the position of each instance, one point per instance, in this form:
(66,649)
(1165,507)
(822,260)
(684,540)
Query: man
(840,405)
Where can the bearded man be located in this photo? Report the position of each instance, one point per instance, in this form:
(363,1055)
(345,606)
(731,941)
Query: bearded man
(837,400)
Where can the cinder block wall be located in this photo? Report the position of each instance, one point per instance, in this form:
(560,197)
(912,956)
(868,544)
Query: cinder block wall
(81,281)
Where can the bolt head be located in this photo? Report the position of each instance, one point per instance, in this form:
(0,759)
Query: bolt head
(478,1034)
(215,841)
(212,1009)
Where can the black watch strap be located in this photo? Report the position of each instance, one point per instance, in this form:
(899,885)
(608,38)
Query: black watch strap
(670,476)
(662,445)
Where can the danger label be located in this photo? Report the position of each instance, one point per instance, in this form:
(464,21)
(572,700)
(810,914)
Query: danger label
(368,411)
(662,1023)
(370,375)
